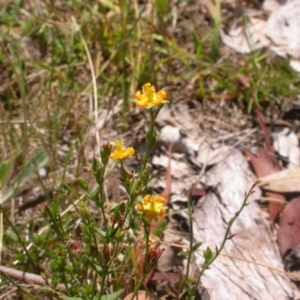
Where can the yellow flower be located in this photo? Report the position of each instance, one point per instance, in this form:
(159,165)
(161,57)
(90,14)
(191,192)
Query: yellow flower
(148,98)
(152,206)
(121,152)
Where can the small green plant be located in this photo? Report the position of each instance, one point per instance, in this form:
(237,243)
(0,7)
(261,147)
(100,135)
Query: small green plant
(97,262)
(96,267)
(190,286)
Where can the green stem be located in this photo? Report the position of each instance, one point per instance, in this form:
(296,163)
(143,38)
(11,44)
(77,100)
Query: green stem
(190,213)
(19,238)
(147,234)
(209,262)
(102,286)
(102,198)
(137,287)
(152,142)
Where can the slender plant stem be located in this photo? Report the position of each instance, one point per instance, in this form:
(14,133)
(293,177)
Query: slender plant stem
(206,265)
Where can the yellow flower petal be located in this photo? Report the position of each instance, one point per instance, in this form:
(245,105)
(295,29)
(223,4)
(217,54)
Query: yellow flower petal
(148,97)
(121,152)
(152,206)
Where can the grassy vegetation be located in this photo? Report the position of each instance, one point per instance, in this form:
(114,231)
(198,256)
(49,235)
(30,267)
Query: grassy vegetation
(68,73)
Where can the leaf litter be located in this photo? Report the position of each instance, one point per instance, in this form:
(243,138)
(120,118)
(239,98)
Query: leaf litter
(208,137)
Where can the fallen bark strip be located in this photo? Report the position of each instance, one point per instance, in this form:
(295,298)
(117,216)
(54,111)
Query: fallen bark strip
(229,278)
(26,277)
(23,276)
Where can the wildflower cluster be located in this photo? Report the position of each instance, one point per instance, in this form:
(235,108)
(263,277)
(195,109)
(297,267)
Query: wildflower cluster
(91,259)
(149,206)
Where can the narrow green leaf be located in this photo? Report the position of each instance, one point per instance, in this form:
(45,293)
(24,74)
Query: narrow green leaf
(183,253)
(64,297)
(196,246)
(113,296)
(4,169)
(102,233)
(83,184)
(162,6)
(96,267)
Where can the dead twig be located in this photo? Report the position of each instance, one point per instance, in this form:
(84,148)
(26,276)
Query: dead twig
(27,277)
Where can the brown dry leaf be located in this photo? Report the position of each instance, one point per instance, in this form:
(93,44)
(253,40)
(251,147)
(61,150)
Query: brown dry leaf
(141,295)
(284,181)
(210,7)
(140,258)
(264,165)
(289,227)
(170,276)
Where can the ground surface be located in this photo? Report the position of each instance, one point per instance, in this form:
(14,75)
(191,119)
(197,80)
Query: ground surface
(65,92)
